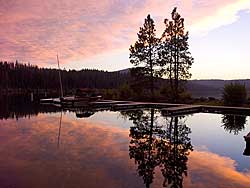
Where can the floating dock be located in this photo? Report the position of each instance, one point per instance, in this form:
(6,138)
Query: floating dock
(135,105)
(183,109)
(106,103)
(128,106)
(191,109)
(225,110)
(166,108)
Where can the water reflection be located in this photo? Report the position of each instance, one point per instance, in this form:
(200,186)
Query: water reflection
(102,149)
(84,112)
(16,107)
(165,145)
(91,154)
(233,123)
(59,131)
(60,150)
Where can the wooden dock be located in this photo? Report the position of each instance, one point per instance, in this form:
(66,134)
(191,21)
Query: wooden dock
(107,103)
(136,105)
(183,109)
(128,106)
(225,110)
(166,108)
(191,109)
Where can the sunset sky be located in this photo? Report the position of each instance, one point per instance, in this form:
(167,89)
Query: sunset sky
(98,33)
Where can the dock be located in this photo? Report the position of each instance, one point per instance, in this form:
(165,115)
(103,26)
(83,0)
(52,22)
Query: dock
(128,106)
(183,109)
(107,103)
(166,108)
(225,110)
(191,109)
(136,105)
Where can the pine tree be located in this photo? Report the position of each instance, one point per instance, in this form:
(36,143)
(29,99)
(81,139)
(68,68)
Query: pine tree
(143,54)
(174,53)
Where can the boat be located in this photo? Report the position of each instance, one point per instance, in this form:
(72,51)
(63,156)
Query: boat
(81,97)
(84,113)
(72,101)
(247,137)
(247,149)
(77,100)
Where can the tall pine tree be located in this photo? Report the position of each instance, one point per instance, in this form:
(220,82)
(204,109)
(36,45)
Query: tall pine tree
(174,53)
(144,55)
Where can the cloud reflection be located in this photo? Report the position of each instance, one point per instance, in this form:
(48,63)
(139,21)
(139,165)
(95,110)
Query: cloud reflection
(91,154)
(207,169)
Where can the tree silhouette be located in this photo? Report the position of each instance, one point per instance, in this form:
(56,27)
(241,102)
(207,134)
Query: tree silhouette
(142,145)
(234,94)
(174,53)
(15,75)
(174,154)
(233,123)
(154,144)
(144,54)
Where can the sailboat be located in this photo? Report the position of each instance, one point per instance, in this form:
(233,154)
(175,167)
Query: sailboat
(81,98)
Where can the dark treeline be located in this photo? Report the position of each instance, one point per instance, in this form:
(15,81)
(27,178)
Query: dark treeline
(14,75)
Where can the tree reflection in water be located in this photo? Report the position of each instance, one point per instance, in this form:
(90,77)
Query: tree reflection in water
(157,143)
(233,123)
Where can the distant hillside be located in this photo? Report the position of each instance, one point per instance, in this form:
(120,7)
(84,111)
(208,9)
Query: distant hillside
(206,88)
(211,88)
(123,71)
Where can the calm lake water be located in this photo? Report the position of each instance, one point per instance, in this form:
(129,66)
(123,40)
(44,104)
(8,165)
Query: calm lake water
(141,148)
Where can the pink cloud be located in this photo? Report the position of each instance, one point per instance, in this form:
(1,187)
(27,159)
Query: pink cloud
(35,30)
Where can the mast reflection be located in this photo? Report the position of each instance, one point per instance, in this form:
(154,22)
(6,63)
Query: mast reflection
(59,131)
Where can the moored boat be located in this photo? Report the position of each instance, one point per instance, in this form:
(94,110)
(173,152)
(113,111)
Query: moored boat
(81,97)
(247,137)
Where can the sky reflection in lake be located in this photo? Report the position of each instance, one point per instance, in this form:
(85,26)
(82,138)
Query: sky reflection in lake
(97,151)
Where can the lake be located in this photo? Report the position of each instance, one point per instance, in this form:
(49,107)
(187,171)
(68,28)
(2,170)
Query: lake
(43,146)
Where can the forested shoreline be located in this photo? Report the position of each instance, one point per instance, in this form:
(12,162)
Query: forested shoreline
(15,75)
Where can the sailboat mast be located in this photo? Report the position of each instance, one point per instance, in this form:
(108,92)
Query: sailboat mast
(60,78)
